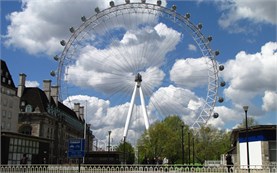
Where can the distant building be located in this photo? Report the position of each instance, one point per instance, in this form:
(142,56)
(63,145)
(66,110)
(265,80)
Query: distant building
(34,122)
(262,146)
(9,101)
(42,115)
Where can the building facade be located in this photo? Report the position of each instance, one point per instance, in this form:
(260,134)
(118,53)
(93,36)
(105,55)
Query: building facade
(9,101)
(42,115)
(262,146)
(40,125)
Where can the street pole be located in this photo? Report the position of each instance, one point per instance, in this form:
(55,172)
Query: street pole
(193,153)
(182,144)
(247,143)
(109,145)
(189,146)
(124,156)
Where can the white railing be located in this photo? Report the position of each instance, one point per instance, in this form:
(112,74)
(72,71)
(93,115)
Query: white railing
(126,169)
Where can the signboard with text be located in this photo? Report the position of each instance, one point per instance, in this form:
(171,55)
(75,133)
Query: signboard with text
(76,148)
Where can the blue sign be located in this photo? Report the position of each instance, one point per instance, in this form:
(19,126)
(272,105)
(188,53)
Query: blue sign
(76,148)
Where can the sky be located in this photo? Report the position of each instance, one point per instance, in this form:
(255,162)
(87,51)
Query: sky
(101,64)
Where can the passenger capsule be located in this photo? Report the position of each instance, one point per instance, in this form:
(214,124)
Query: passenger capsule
(83,18)
(187,16)
(71,29)
(97,10)
(63,43)
(53,73)
(173,8)
(159,2)
(220,99)
(221,67)
(56,57)
(199,26)
(111,3)
(215,115)
(210,38)
(216,52)
(222,83)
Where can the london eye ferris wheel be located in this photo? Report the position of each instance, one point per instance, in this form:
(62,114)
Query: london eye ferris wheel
(136,54)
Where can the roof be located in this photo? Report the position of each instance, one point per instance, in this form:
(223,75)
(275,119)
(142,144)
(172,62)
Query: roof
(67,110)
(254,130)
(37,98)
(6,77)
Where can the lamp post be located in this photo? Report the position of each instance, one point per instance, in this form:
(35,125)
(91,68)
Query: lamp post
(189,147)
(245,108)
(109,146)
(182,144)
(193,152)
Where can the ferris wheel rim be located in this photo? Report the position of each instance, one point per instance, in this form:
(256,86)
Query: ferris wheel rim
(202,42)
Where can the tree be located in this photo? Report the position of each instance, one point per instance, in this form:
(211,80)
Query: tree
(163,139)
(211,143)
(250,122)
(129,152)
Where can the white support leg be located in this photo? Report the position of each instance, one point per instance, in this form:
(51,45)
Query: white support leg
(146,121)
(130,111)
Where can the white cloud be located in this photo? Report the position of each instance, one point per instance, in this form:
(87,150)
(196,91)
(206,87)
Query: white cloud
(192,47)
(31,84)
(251,76)
(39,30)
(190,72)
(226,116)
(166,101)
(237,11)
(172,100)
(270,101)
(104,117)
(118,64)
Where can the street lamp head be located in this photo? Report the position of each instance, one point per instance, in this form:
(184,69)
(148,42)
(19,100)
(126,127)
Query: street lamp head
(110,132)
(245,108)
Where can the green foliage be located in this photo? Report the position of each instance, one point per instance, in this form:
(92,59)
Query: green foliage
(250,122)
(164,139)
(129,152)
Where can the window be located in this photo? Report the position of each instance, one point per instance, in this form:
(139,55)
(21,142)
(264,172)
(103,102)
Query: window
(23,103)
(16,150)
(28,108)
(8,126)
(9,114)
(272,151)
(11,104)
(9,82)
(3,125)
(5,102)
(3,79)
(4,112)
(26,129)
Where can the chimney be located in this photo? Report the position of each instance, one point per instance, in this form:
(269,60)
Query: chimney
(77,109)
(55,93)
(21,85)
(47,89)
(82,112)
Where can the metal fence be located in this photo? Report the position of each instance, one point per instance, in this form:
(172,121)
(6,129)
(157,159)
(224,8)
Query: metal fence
(128,169)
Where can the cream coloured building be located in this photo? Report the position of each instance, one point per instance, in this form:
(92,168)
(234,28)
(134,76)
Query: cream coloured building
(9,101)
